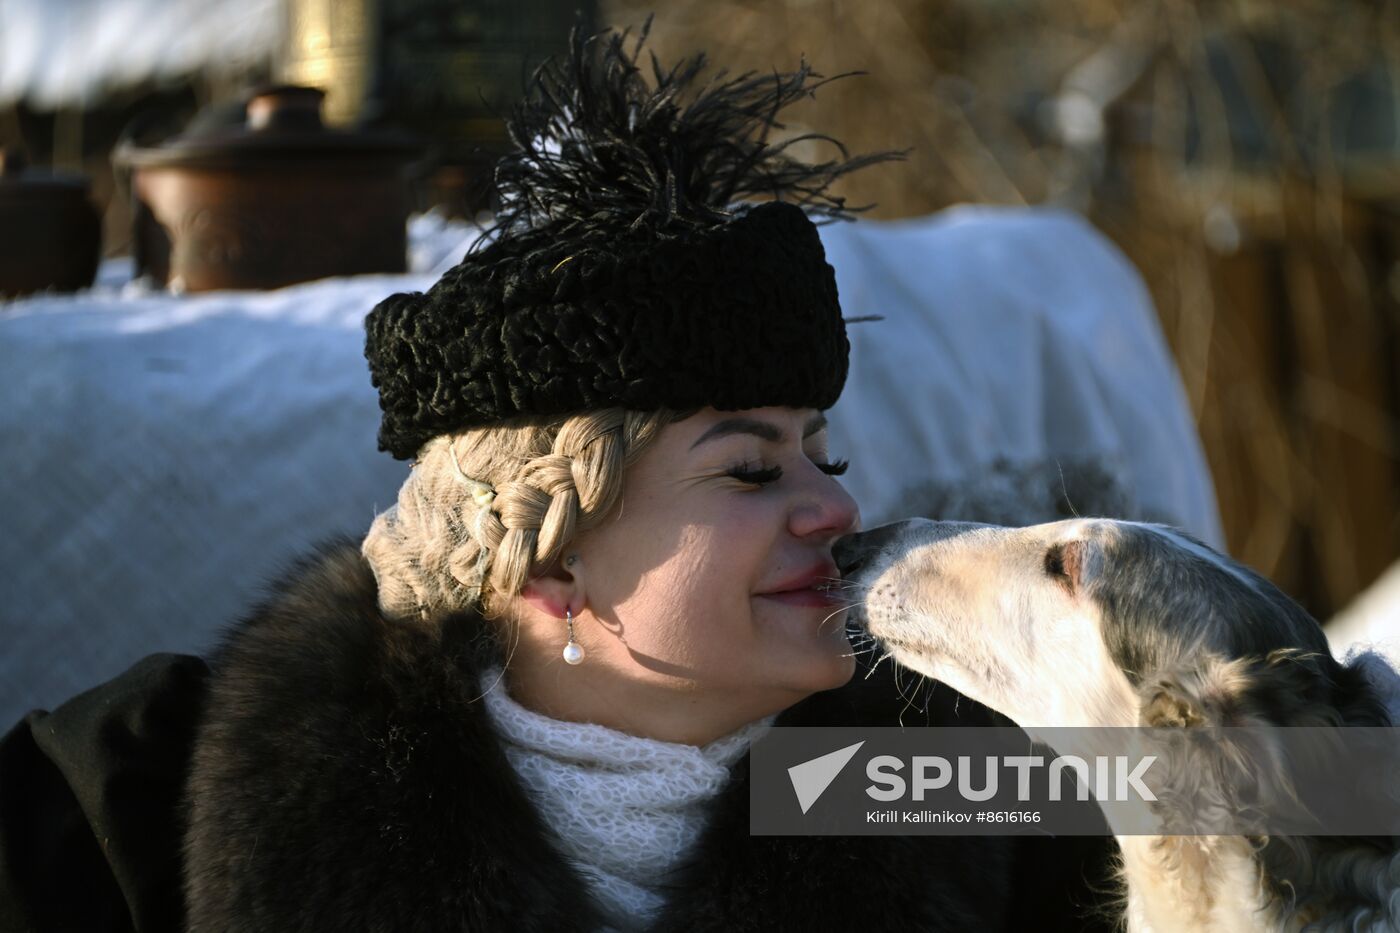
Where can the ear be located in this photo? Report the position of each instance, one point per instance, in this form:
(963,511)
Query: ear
(1288,687)
(1169,708)
(1220,778)
(1211,693)
(559,588)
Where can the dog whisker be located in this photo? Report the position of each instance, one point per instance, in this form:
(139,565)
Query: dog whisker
(862,650)
(904,696)
(834,614)
(876,664)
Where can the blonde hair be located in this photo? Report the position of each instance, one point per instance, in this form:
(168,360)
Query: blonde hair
(443,546)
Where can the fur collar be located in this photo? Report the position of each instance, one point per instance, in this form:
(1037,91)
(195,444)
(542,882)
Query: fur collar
(344,778)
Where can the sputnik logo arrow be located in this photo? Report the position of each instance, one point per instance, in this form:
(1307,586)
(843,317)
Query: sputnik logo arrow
(811,778)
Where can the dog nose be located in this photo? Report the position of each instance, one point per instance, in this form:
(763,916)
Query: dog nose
(853,552)
(846,553)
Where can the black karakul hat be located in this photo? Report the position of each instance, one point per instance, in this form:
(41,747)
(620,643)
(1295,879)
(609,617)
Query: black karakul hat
(620,271)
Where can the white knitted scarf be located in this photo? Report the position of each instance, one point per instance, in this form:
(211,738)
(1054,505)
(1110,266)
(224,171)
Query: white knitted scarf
(626,809)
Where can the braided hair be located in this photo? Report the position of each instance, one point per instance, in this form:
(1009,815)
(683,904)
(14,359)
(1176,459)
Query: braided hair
(440,549)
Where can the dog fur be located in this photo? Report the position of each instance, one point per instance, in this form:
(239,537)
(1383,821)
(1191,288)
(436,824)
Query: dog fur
(1111,623)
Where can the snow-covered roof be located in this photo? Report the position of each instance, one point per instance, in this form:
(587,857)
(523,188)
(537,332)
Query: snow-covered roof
(64,53)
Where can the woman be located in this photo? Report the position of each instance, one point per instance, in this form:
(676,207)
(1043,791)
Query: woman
(523,701)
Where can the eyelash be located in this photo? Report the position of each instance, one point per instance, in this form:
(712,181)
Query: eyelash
(772,474)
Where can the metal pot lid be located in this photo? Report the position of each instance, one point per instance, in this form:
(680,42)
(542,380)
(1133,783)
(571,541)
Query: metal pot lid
(17,178)
(282,123)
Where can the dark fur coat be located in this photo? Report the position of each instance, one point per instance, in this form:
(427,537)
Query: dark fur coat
(341,778)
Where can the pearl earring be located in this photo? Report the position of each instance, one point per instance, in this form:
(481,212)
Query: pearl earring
(573,651)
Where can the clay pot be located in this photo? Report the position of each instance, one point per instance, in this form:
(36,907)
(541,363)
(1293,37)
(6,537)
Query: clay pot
(50,232)
(275,200)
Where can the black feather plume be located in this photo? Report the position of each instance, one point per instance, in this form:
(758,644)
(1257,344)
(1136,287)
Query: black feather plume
(602,151)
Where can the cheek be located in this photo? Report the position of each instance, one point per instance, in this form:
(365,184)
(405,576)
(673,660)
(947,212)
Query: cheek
(716,567)
(699,570)
(704,581)
(697,602)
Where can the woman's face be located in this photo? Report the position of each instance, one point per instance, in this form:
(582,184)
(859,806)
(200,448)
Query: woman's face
(703,582)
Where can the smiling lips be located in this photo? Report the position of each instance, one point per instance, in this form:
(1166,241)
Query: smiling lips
(809,589)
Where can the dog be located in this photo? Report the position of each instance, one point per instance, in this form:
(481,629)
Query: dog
(1095,622)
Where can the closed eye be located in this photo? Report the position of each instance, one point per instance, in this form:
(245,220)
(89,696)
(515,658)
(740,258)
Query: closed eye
(758,477)
(761,477)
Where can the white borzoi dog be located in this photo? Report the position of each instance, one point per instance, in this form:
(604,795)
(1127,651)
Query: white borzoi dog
(1093,622)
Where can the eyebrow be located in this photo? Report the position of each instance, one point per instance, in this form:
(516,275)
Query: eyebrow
(761,429)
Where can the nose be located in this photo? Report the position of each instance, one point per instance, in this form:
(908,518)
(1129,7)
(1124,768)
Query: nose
(853,552)
(827,510)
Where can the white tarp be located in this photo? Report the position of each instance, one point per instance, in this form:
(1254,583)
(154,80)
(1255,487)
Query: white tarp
(1008,333)
(68,53)
(164,456)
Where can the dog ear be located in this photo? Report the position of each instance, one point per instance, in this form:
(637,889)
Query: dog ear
(1286,688)
(1210,693)
(1171,709)
(1221,777)
(1196,785)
